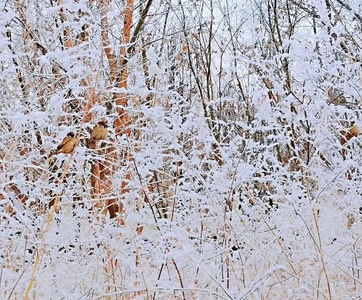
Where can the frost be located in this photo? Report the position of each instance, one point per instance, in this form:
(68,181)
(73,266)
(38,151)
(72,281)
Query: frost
(230,159)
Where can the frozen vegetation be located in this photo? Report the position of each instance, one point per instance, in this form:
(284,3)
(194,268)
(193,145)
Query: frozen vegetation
(227,166)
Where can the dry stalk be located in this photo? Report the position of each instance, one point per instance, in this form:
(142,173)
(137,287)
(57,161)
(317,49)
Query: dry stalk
(321,253)
(180,278)
(49,222)
(281,247)
(53,209)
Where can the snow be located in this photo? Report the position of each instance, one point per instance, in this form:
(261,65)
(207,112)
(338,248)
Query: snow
(227,187)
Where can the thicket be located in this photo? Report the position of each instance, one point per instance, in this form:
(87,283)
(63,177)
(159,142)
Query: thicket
(232,164)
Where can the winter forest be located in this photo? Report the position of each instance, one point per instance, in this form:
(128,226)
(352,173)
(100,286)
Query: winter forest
(215,151)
